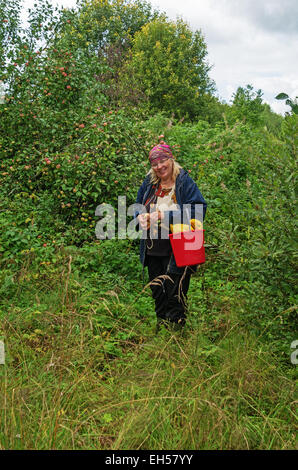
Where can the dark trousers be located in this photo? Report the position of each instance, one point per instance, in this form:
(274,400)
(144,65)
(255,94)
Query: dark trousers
(170,295)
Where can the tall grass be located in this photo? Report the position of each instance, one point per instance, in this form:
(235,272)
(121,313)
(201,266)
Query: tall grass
(85,370)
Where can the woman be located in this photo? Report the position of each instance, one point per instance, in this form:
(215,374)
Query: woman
(163,194)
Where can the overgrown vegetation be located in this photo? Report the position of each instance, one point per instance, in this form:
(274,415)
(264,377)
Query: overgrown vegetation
(83,368)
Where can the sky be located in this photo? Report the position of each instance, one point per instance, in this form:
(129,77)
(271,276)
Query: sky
(248,41)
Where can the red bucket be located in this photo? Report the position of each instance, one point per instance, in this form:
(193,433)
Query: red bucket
(188,247)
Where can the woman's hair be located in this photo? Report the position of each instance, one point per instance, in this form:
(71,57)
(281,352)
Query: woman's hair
(176,170)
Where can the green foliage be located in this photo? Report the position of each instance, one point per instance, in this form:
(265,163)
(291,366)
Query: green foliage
(168,61)
(88,172)
(104,30)
(247,105)
(9,31)
(99,23)
(289,102)
(272,121)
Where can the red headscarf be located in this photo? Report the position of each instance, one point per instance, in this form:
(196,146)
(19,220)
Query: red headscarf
(161,150)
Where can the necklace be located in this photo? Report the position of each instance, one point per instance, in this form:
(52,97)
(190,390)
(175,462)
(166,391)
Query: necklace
(161,192)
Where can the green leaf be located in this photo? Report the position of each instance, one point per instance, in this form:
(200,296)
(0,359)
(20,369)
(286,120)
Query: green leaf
(282,96)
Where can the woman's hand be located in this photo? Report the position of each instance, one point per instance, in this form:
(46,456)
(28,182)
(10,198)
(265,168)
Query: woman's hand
(144,221)
(150,219)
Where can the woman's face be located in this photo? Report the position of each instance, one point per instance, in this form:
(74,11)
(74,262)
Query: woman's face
(163,168)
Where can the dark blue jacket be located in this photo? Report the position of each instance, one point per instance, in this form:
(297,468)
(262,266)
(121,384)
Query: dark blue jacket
(187,192)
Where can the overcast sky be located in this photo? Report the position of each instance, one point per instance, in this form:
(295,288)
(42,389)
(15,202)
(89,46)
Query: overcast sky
(249,42)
